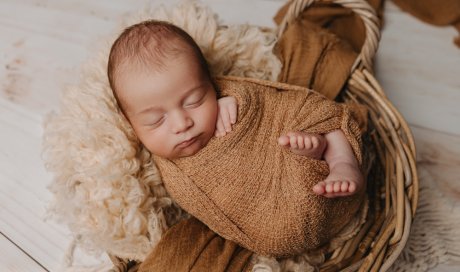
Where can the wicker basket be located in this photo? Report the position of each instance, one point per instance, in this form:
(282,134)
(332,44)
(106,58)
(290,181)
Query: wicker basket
(393,183)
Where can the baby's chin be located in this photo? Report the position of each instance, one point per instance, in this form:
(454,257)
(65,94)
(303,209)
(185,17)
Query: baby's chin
(184,154)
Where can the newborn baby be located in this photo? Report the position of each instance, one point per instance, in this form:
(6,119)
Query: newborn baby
(269,183)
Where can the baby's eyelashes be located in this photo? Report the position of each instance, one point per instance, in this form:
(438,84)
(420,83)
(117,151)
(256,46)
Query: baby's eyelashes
(195,103)
(154,123)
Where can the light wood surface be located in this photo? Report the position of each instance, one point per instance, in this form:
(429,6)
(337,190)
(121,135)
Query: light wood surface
(44,42)
(13,258)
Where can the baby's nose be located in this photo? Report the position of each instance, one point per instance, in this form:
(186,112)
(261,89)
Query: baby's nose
(181,121)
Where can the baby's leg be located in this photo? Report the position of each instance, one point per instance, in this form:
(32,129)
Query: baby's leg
(305,144)
(344,177)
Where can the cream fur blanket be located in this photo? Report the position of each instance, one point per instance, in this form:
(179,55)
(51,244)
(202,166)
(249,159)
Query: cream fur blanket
(107,190)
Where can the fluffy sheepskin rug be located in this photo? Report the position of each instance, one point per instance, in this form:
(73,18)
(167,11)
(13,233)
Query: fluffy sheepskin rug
(106,187)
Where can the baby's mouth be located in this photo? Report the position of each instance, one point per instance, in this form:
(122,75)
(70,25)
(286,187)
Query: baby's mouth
(188,142)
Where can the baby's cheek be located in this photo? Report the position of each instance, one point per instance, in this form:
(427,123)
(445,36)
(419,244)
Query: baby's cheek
(149,145)
(157,143)
(209,115)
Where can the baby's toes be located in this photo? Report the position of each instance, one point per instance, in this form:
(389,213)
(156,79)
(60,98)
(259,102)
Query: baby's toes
(320,188)
(293,142)
(351,187)
(329,187)
(283,140)
(348,187)
(314,142)
(300,142)
(344,187)
(307,143)
(337,186)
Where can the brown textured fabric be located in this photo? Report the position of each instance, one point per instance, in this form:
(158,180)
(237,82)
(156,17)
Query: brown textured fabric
(338,20)
(191,246)
(441,13)
(315,58)
(248,189)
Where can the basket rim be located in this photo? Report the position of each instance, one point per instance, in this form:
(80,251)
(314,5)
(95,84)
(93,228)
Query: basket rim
(361,8)
(397,149)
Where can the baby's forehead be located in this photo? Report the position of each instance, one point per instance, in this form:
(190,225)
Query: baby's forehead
(154,65)
(157,55)
(148,75)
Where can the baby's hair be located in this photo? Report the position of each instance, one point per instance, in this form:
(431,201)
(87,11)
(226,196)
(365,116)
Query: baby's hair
(150,43)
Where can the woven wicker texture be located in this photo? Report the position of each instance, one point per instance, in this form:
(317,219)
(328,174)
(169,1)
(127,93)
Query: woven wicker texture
(395,197)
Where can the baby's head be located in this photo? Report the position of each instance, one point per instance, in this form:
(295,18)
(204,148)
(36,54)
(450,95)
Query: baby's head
(163,86)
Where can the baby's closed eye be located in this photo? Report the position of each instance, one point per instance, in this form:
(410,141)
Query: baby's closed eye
(195,99)
(155,124)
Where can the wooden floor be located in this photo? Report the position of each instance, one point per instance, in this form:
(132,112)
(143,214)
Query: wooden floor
(43,43)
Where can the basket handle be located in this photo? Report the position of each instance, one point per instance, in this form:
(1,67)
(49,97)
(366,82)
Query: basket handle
(360,7)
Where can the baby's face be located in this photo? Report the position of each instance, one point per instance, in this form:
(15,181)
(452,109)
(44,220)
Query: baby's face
(173,111)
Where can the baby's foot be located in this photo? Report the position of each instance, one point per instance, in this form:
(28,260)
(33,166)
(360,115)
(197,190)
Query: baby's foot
(343,180)
(305,144)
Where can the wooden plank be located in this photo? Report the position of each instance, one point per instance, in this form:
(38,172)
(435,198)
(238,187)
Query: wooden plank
(12,258)
(40,59)
(439,153)
(259,12)
(36,68)
(417,64)
(23,193)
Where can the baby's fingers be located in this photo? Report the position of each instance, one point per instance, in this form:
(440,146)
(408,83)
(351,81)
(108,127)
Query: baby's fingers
(233,112)
(220,131)
(225,114)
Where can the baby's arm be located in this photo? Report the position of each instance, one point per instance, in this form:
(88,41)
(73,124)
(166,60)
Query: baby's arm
(226,116)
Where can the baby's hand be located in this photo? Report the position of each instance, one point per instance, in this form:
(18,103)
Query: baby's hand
(226,116)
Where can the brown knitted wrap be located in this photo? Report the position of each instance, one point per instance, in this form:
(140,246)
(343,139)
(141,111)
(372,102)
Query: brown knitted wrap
(248,189)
